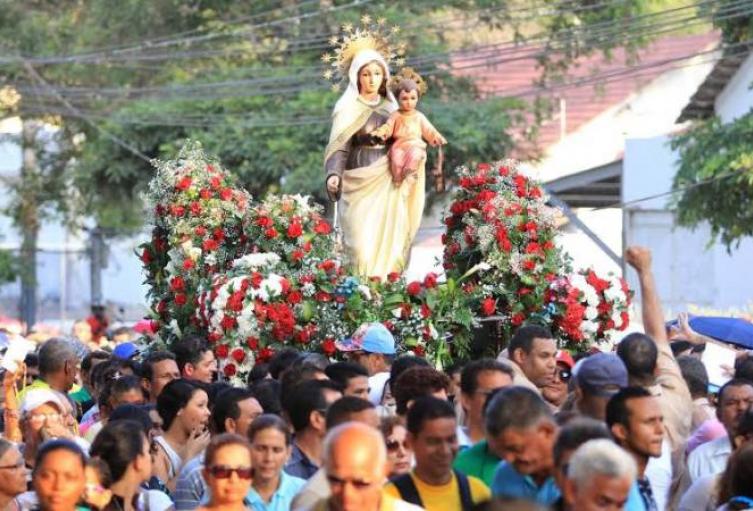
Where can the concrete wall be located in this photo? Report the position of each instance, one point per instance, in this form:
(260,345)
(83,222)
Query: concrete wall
(736,98)
(688,270)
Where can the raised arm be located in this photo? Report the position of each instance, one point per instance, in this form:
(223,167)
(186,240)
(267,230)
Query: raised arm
(653,317)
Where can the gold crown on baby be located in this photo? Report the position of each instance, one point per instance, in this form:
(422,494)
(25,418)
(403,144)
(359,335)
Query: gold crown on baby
(407,73)
(371,35)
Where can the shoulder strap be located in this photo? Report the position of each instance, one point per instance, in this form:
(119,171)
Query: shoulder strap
(407,489)
(464,486)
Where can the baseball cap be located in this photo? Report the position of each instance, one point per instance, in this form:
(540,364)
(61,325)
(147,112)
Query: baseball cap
(125,350)
(565,357)
(37,397)
(371,338)
(602,374)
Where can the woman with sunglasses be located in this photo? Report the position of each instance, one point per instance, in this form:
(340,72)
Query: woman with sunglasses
(227,472)
(12,475)
(399,455)
(272,489)
(123,445)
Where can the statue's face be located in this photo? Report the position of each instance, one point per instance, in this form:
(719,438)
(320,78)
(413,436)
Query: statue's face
(370,78)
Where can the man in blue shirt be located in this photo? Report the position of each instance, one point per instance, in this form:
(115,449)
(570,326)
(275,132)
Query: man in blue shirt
(521,430)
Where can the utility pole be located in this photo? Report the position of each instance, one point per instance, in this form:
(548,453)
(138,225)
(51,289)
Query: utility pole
(98,261)
(28,221)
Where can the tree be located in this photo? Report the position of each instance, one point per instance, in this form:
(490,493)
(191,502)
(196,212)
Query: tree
(714,180)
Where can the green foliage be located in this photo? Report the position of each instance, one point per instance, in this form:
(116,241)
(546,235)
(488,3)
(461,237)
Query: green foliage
(714,179)
(8,266)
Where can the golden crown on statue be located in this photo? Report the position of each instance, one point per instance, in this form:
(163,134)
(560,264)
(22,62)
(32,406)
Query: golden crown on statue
(371,35)
(408,73)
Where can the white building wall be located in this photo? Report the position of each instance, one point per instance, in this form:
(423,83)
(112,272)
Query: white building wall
(688,271)
(736,99)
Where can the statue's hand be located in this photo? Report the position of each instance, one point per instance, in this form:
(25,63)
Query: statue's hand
(439,141)
(333,184)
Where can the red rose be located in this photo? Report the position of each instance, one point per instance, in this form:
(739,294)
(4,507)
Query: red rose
(215,182)
(430,281)
(483,167)
(322,227)
(529,264)
(184,183)
(414,288)
(425,311)
(263,221)
(195,208)
(625,320)
(180,299)
(226,194)
(177,210)
(228,323)
(419,351)
(517,319)
(322,296)
(221,351)
(303,336)
(265,354)
(328,346)
(504,171)
(230,370)
(327,265)
(188,264)
(488,306)
(146,256)
(295,297)
(296,255)
(393,276)
(200,231)
(213,337)
(389,325)
(307,246)
(295,230)
(239,355)
(177,283)
(209,245)
(534,192)
(205,194)
(271,233)
(252,343)
(210,168)
(405,310)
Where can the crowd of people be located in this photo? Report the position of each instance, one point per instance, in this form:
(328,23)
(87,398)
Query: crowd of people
(536,428)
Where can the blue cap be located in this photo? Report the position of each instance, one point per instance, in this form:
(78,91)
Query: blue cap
(602,374)
(125,350)
(371,338)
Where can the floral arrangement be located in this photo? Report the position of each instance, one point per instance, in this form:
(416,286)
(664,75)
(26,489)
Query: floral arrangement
(257,277)
(198,216)
(589,309)
(289,225)
(499,223)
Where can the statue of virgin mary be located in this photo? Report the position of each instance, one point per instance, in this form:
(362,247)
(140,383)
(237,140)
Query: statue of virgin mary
(378,219)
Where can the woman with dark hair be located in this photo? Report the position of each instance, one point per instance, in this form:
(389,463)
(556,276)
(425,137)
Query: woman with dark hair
(736,485)
(227,472)
(272,489)
(399,455)
(183,407)
(12,474)
(58,477)
(123,445)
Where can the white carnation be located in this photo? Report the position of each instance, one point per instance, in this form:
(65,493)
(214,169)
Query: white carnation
(365,291)
(591,313)
(253,261)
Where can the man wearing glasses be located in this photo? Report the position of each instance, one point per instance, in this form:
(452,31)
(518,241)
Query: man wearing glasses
(555,392)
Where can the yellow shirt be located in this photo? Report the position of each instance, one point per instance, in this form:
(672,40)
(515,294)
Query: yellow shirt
(445,497)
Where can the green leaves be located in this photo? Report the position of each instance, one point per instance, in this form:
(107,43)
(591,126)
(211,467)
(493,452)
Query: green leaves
(714,180)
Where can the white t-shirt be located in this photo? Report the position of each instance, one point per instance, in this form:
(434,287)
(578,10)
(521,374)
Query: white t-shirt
(659,474)
(376,387)
(709,458)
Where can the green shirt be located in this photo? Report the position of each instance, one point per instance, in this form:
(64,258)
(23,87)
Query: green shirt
(478,461)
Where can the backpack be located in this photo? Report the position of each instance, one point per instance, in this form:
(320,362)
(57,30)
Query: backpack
(409,493)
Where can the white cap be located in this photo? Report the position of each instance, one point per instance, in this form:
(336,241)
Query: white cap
(37,397)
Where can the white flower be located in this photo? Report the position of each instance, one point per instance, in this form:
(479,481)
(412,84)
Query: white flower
(194,253)
(253,261)
(591,313)
(591,296)
(308,290)
(579,281)
(397,312)
(174,327)
(365,291)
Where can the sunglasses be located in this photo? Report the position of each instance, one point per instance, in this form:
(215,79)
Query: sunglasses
(565,374)
(394,445)
(223,472)
(357,483)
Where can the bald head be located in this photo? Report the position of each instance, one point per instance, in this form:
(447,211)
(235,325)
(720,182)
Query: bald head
(356,445)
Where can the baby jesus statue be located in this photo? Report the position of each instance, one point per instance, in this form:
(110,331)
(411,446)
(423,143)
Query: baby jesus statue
(408,127)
